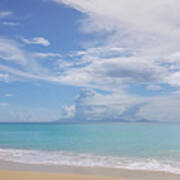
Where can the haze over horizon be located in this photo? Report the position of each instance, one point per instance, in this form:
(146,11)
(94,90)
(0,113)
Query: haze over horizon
(89,60)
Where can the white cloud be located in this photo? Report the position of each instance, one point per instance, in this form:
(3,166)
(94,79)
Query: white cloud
(93,70)
(47,55)
(143,32)
(110,66)
(4,14)
(11,51)
(119,14)
(146,41)
(36,40)
(17,63)
(139,46)
(16,74)
(68,112)
(91,105)
(10,23)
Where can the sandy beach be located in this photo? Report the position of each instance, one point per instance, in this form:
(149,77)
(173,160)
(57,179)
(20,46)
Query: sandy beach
(27,175)
(18,175)
(19,171)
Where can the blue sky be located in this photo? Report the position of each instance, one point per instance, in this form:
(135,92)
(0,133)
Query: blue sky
(89,60)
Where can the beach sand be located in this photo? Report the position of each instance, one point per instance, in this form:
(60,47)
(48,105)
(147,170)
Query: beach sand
(18,175)
(19,171)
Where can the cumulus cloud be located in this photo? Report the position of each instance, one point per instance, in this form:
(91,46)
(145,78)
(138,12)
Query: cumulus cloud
(36,40)
(91,105)
(68,112)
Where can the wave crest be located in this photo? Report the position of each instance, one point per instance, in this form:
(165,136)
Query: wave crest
(87,160)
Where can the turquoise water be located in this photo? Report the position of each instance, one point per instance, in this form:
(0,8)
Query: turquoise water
(118,145)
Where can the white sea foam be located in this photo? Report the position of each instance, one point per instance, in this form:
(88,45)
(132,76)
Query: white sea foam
(87,160)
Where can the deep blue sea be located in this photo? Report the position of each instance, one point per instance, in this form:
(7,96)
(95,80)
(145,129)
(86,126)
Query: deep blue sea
(138,146)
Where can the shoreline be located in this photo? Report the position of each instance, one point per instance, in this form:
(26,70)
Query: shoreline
(7,167)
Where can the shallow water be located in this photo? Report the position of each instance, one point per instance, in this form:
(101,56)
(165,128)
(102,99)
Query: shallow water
(118,145)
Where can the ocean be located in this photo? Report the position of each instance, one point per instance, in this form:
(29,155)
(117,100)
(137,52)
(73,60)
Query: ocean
(137,146)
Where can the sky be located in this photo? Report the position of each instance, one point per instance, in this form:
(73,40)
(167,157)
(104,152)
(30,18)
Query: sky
(89,60)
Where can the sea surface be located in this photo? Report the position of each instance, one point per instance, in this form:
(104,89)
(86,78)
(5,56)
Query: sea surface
(138,146)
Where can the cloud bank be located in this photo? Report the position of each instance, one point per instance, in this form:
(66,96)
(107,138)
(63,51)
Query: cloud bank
(92,106)
(137,45)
